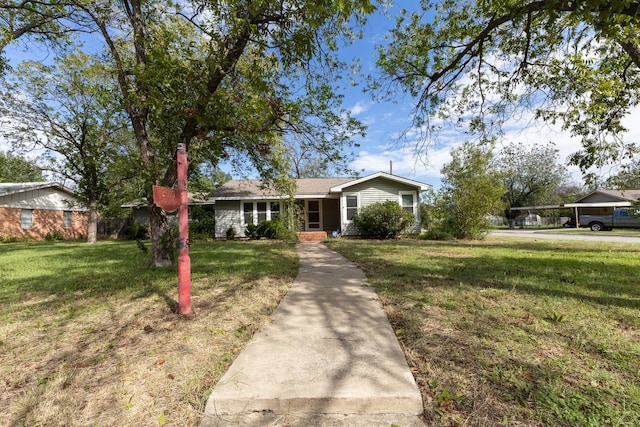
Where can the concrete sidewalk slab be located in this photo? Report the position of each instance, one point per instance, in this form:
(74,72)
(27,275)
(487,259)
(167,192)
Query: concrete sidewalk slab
(327,358)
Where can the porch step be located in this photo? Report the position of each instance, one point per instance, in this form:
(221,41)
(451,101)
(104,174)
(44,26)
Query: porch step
(312,236)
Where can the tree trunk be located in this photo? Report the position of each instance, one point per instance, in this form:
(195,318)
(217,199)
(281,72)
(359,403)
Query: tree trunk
(92,229)
(162,241)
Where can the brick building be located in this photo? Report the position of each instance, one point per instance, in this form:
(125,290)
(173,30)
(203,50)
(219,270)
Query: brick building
(35,209)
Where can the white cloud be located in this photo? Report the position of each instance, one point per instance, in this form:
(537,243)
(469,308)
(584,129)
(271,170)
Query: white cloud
(359,108)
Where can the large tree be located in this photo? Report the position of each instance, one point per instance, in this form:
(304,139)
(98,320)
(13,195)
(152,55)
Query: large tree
(15,168)
(68,112)
(472,189)
(482,63)
(223,78)
(532,174)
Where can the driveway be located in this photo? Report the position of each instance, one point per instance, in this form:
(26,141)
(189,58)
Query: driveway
(566,235)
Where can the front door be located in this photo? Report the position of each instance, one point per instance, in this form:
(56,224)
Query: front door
(313,217)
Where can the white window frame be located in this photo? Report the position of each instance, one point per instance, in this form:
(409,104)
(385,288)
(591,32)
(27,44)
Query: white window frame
(414,207)
(254,211)
(346,208)
(26,218)
(67,219)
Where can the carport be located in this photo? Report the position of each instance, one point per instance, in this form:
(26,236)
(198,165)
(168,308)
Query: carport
(595,208)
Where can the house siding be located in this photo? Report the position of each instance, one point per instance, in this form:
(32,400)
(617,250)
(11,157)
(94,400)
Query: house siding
(228,215)
(44,221)
(376,191)
(48,205)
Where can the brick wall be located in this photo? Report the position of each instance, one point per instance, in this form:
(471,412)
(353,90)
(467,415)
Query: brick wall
(43,222)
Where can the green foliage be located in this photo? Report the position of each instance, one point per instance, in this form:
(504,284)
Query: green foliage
(14,168)
(478,65)
(231,233)
(271,229)
(531,174)
(383,220)
(227,87)
(471,190)
(9,239)
(54,236)
(203,221)
(437,234)
(136,231)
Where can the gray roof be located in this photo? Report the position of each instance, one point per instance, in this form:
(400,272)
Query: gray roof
(253,188)
(7,188)
(306,187)
(622,195)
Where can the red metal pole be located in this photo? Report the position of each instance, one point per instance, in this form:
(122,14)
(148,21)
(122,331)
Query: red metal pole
(184,262)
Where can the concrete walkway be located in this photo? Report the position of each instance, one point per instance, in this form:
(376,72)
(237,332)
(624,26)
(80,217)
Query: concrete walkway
(327,358)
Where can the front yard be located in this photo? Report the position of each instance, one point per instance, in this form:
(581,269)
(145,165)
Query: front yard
(502,332)
(514,332)
(88,337)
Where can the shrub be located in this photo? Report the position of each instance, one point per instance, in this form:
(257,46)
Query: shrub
(437,234)
(231,233)
(274,229)
(137,231)
(55,236)
(383,220)
(204,221)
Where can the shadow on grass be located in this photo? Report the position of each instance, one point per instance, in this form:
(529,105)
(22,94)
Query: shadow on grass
(60,272)
(537,268)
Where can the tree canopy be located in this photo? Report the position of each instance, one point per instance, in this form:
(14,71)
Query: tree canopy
(481,63)
(227,79)
(472,189)
(532,174)
(14,168)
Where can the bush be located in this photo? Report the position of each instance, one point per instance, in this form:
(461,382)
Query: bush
(383,220)
(137,232)
(52,237)
(437,234)
(274,229)
(204,221)
(231,233)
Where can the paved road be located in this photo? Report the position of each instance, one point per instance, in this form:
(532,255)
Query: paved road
(566,235)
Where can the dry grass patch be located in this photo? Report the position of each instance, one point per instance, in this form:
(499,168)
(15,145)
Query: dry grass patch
(103,347)
(509,332)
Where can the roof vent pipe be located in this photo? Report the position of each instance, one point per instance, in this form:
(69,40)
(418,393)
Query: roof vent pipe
(390,167)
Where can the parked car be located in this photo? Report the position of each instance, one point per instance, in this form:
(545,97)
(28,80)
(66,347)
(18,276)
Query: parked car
(621,218)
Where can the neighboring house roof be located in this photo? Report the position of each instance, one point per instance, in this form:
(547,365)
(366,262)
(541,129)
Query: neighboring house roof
(10,195)
(613,195)
(8,188)
(306,187)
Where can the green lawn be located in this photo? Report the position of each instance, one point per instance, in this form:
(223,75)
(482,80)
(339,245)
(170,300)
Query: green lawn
(514,332)
(88,335)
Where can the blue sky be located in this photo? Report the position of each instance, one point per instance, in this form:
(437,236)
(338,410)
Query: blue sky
(389,138)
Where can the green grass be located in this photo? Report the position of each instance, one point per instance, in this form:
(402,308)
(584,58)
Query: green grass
(514,331)
(89,334)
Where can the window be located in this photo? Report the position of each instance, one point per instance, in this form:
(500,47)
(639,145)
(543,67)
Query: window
(66,219)
(408,202)
(256,212)
(275,210)
(352,205)
(262,211)
(26,218)
(248,213)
